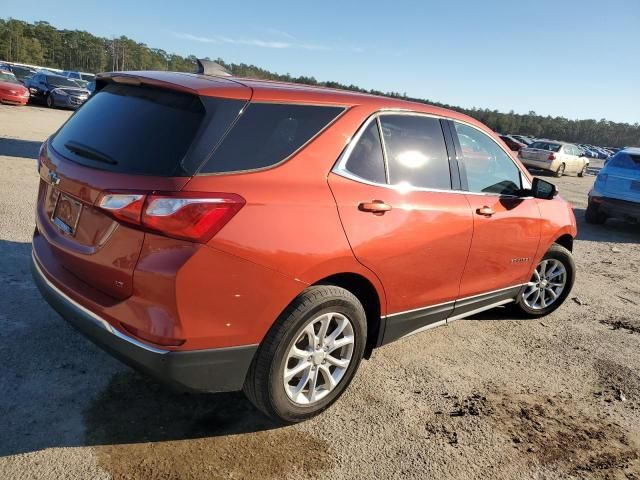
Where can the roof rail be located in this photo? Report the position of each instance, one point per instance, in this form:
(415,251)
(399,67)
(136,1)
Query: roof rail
(209,67)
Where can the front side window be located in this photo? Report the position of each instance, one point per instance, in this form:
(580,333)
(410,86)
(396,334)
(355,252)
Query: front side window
(416,151)
(487,167)
(366,160)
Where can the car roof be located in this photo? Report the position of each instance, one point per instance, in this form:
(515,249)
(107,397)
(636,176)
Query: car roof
(631,150)
(276,91)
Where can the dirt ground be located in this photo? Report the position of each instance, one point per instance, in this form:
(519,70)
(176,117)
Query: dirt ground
(487,397)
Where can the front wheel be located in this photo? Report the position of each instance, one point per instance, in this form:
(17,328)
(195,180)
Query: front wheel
(50,103)
(309,356)
(550,283)
(583,171)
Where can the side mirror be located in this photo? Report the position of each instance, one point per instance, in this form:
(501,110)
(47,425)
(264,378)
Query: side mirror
(543,189)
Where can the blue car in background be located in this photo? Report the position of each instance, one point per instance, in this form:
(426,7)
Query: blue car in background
(616,191)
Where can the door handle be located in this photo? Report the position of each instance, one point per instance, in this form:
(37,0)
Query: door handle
(485,211)
(377,207)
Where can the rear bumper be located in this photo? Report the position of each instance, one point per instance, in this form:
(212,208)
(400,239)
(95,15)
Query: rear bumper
(613,207)
(215,370)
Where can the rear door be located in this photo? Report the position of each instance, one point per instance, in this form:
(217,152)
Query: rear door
(506,226)
(395,187)
(124,138)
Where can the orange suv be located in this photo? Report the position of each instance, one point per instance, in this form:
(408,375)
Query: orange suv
(222,233)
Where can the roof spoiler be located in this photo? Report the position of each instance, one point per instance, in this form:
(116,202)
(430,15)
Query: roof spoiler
(209,67)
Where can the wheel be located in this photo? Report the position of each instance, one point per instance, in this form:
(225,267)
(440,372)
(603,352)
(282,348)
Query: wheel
(593,214)
(309,356)
(583,171)
(50,103)
(550,283)
(560,170)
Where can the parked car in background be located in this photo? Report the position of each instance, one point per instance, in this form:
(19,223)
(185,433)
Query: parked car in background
(556,157)
(523,139)
(86,77)
(22,73)
(513,144)
(56,91)
(152,194)
(12,92)
(616,190)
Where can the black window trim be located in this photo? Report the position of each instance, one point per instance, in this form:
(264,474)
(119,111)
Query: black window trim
(344,108)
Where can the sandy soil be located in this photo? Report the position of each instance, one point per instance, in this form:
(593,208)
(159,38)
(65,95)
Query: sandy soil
(487,397)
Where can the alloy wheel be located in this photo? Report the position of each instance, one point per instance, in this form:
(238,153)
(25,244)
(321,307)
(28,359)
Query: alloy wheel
(318,358)
(546,285)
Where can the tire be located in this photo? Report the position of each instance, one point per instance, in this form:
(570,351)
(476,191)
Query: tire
(526,304)
(49,101)
(560,171)
(583,171)
(593,215)
(265,385)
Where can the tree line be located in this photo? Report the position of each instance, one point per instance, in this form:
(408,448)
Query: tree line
(42,44)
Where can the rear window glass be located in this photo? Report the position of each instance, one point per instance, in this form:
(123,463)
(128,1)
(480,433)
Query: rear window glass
(552,147)
(136,130)
(268,133)
(625,160)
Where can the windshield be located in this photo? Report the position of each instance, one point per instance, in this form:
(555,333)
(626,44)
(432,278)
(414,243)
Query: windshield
(56,81)
(552,147)
(8,77)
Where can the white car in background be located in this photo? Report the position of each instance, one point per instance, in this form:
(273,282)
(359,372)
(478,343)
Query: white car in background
(556,157)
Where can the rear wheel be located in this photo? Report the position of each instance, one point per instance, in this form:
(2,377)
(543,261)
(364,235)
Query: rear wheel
(309,356)
(550,283)
(593,214)
(560,170)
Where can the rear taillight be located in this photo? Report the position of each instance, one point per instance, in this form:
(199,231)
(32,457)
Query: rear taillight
(40,155)
(185,215)
(551,157)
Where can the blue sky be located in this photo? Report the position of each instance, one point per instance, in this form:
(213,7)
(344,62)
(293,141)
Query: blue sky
(579,59)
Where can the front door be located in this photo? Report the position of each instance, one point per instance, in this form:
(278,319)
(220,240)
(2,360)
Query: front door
(507,226)
(393,188)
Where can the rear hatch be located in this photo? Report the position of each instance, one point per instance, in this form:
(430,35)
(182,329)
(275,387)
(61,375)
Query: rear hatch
(133,135)
(621,177)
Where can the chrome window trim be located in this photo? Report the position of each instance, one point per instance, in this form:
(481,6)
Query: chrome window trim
(340,167)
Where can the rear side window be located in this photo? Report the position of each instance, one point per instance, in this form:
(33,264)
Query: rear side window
(416,152)
(142,130)
(268,133)
(366,160)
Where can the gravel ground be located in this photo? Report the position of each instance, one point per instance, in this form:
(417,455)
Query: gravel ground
(488,397)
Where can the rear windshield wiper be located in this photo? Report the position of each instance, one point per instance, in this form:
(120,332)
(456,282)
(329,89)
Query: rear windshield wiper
(90,153)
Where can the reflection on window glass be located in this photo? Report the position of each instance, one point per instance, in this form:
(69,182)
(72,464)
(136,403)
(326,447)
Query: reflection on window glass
(488,168)
(366,159)
(416,152)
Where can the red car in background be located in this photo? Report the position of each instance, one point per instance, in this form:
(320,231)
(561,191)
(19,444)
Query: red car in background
(11,90)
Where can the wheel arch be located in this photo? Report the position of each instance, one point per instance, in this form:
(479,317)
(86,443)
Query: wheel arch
(565,241)
(367,294)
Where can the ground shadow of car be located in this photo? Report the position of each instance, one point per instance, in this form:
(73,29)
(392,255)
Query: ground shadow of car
(60,390)
(11,147)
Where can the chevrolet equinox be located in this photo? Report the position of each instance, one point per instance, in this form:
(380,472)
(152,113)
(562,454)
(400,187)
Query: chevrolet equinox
(223,233)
